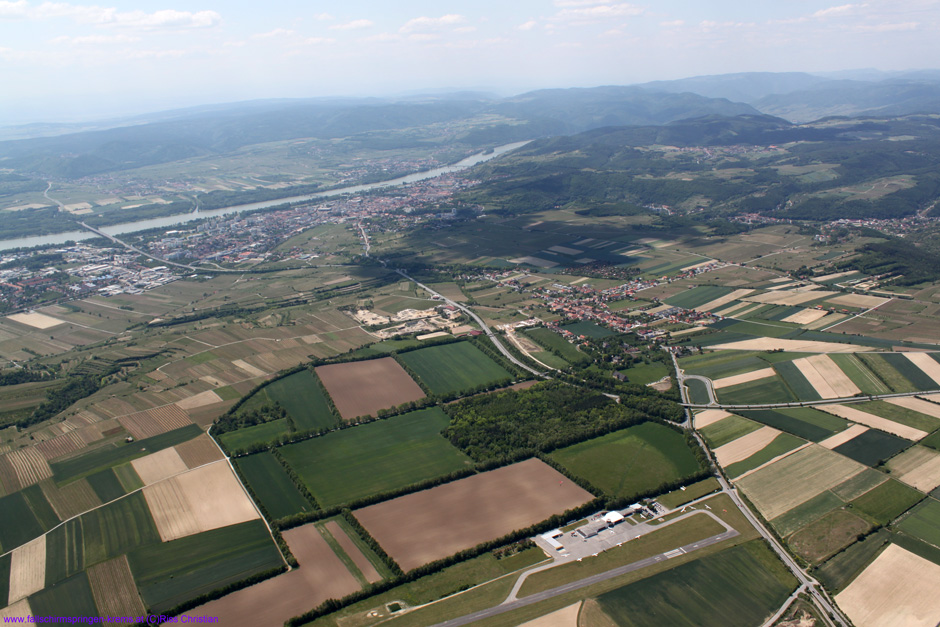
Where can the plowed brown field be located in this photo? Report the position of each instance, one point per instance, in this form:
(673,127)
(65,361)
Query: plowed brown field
(361,388)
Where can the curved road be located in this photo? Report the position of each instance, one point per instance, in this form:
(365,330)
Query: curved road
(479,321)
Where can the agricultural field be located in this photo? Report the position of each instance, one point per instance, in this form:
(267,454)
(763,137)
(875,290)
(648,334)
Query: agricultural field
(271,485)
(453,367)
(803,422)
(172,572)
(301,396)
(389,386)
(632,461)
(347,465)
(898,588)
(923,522)
(479,508)
(556,343)
(727,429)
(255,434)
(742,586)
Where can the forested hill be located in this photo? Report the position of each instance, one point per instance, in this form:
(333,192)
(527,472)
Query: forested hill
(481,121)
(715,166)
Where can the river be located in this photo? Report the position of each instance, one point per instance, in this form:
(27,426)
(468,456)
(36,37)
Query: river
(168,221)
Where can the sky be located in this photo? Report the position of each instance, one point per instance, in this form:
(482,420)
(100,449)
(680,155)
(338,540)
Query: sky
(72,61)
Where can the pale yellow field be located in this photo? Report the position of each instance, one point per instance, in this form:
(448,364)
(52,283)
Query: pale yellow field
(203,499)
(826,377)
(30,465)
(835,275)
(678,333)
(927,364)
(745,446)
(806,316)
(754,375)
(252,370)
(918,466)
(843,436)
(19,609)
(916,404)
(159,466)
(791,346)
(685,269)
(732,309)
(724,300)
(209,397)
(704,418)
(783,286)
(898,589)
(36,320)
(826,321)
(112,585)
(790,297)
(871,420)
(781,486)
(859,300)
(28,569)
(773,461)
(565,617)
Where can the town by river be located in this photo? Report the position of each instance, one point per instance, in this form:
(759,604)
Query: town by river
(169,221)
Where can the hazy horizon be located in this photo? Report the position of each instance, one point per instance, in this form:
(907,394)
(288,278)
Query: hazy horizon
(65,62)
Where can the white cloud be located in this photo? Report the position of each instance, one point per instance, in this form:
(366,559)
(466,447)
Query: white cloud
(354,25)
(314,41)
(578,3)
(96,40)
(277,32)
(432,23)
(888,28)
(528,25)
(322,17)
(600,12)
(423,37)
(465,29)
(672,24)
(110,16)
(13,9)
(839,10)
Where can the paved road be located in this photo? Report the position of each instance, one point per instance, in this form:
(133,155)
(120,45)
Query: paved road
(479,321)
(826,401)
(587,581)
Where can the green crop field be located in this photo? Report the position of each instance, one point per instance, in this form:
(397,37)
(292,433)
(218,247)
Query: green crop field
(924,522)
(118,453)
(909,371)
(4,578)
(65,554)
(630,461)
(806,513)
(804,422)
(117,528)
(554,342)
(384,455)
(106,485)
(797,382)
(41,508)
(933,441)
(172,572)
(860,375)
(742,586)
(872,447)
(453,367)
(780,445)
(728,429)
(18,524)
(71,597)
(856,486)
(302,397)
(270,483)
(698,391)
(588,329)
(255,434)
(887,501)
(689,299)
(722,364)
(901,415)
(755,392)
(887,374)
(842,568)
(642,374)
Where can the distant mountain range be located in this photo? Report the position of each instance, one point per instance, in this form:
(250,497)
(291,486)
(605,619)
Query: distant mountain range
(73,151)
